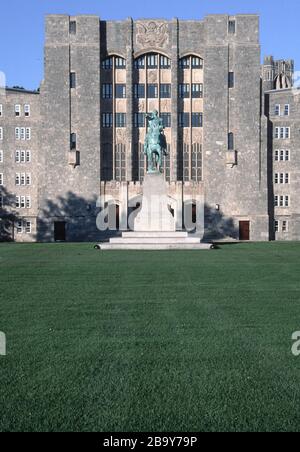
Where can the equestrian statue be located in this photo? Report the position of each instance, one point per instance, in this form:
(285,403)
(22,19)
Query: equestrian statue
(155,144)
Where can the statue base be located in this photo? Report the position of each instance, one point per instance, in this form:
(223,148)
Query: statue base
(155,215)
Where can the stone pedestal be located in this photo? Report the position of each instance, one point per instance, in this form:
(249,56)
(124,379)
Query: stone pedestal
(155,215)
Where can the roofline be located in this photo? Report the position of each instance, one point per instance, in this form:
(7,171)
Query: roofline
(18,90)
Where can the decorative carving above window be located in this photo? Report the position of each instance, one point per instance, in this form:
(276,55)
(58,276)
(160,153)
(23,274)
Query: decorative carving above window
(152,34)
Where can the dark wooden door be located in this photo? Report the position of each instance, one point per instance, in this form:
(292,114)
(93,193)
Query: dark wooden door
(244,230)
(60,231)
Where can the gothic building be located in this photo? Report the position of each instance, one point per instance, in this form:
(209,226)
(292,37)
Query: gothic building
(76,146)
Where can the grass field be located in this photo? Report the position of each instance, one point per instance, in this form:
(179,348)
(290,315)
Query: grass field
(149,341)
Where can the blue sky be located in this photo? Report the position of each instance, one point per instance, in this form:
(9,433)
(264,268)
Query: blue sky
(22,26)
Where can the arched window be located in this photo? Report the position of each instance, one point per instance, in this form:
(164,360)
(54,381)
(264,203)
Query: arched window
(114,61)
(191,62)
(152,61)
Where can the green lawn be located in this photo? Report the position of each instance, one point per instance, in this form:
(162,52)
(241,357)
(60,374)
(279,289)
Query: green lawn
(149,341)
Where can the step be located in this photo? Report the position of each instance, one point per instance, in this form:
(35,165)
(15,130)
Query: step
(155,247)
(149,240)
(130,235)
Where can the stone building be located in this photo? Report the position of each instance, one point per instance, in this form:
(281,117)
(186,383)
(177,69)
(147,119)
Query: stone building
(76,146)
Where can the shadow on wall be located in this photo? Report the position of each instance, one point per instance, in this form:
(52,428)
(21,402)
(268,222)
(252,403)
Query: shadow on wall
(8,218)
(219,227)
(70,218)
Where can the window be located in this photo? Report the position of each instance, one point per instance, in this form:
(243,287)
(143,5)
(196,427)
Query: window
(73,141)
(120,63)
(277,110)
(287,110)
(282,201)
(28,133)
(231,80)
(73,27)
(18,157)
(184,90)
(139,91)
(166,119)
(17,133)
(152,91)
(276,226)
(139,120)
(197,63)
(165,91)
(28,179)
(1,133)
(152,61)
(287,155)
(120,91)
(107,120)
(28,156)
(28,227)
(1,179)
(231,141)
(107,64)
(139,63)
(27,110)
(19,227)
(197,90)
(120,119)
(184,63)
(184,120)
(107,91)
(285,226)
(73,80)
(18,179)
(1,110)
(28,202)
(282,133)
(17,110)
(23,133)
(282,178)
(165,62)
(1,156)
(232,27)
(197,119)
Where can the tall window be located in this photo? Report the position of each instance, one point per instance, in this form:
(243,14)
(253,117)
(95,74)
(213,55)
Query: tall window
(231,27)
(231,80)
(287,110)
(73,80)
(165,62)
(231,141)
(197,90)
(139,91)
(107,120)
(166,119)
(27,110)
(107,64)
(165,91)
(73,141)
(17,110)
(120,119)
(1,133)
(120,91)
(139,63)
(184,90)
(197,119)
(282,133)
(152,91)
(1,179)
(1,156)
(1,110)
(152,61)
(120,63)
(277,110)
(107,91)
(139,120)
(184,120)
(197,63)
(73,27)
(185,63)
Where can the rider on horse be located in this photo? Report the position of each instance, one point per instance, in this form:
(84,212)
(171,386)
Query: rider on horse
(155,143)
